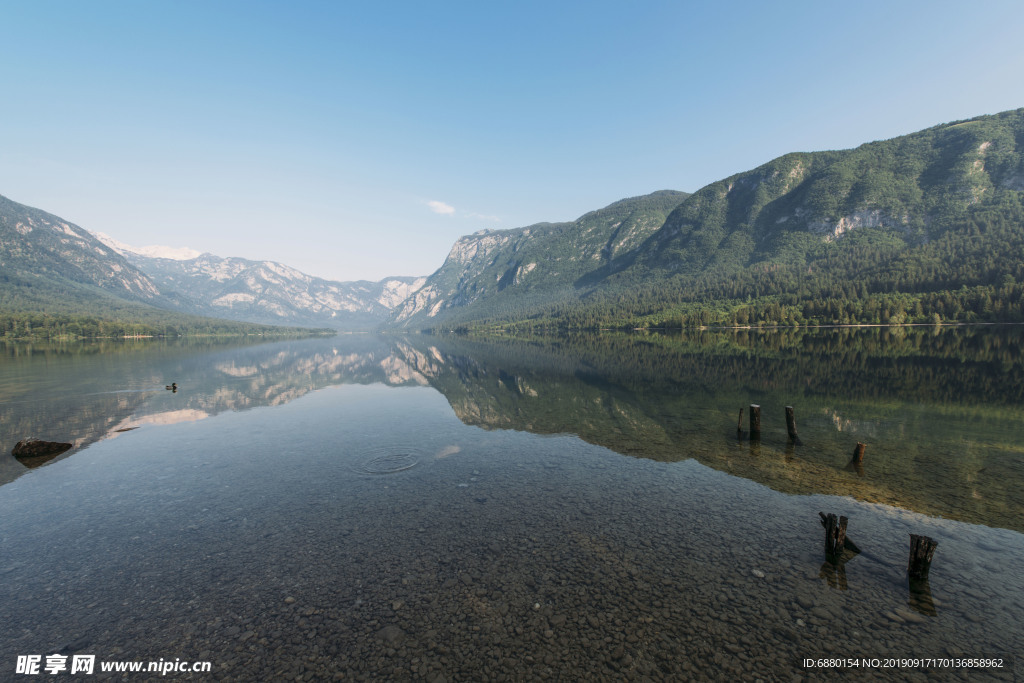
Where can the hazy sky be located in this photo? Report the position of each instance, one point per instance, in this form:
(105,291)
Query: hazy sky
(359,140)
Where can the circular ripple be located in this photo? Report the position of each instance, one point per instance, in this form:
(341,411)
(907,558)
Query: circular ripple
(388,460)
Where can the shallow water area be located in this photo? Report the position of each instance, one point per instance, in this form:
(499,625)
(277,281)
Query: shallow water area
(361,528)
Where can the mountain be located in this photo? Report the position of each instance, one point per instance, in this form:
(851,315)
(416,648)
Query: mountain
(58,280)
(51,267)
(909,190)
(515,271)
(925,227)
(265,291)
(37,248)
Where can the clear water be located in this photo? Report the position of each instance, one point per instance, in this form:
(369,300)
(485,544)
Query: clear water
(446,509)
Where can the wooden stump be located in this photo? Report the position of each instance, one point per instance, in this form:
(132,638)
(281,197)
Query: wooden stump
(835,536)
(856,463)
(847,543)
(922,549)
(755,421)
(791,425)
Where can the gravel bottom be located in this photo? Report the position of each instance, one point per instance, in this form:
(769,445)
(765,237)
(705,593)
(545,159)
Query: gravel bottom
(498,557)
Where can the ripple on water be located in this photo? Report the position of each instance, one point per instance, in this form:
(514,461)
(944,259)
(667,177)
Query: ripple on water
(388,460)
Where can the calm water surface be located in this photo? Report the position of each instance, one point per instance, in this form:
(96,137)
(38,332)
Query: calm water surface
(448,509)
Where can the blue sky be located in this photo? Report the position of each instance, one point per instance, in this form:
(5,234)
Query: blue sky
(360,140)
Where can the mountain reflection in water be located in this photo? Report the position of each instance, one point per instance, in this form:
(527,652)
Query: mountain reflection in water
(940,409)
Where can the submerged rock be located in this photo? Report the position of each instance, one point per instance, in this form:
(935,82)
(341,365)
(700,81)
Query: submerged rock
(391,634)
(33,452)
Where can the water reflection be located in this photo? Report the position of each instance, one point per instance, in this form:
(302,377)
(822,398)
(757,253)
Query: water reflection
(82,393)
(954,453)
(939,409)
(921,597)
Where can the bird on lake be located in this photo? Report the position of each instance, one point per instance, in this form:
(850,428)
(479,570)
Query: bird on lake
(173,386)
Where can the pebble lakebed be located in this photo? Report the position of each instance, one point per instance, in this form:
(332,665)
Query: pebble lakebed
(469,555)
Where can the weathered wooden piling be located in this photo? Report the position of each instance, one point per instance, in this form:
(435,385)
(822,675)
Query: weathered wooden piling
(791,426)
(847,543)
(856,463)
(835,536)
(739,424)
(755,421)
(922,549)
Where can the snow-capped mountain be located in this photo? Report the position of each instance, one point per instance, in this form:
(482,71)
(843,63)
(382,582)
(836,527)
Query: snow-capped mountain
(264,291)
(153,251)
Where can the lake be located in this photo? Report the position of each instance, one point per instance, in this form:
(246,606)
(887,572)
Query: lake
(446,508)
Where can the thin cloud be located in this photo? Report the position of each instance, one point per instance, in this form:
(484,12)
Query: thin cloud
(484,217)
(441,207)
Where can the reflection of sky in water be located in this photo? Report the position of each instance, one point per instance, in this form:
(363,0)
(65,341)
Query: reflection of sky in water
(274,541)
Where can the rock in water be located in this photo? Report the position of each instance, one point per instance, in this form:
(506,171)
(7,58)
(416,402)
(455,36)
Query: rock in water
(33,452)
(391,634)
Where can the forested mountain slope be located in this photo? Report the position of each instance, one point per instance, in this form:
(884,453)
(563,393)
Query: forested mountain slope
(37,246)
(512,272)
(923,227)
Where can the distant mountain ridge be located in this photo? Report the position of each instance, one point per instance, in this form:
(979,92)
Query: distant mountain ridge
(267,292)
(57,281)
(52,267)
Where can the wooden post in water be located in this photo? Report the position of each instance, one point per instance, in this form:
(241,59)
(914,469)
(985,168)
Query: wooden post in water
(791,422)
(755,421)
(835,536)
(922,549)
(791,426)
(847,543)
(739,424)
(856,463)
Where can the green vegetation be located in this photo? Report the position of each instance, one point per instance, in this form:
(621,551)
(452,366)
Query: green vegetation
(973,274)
